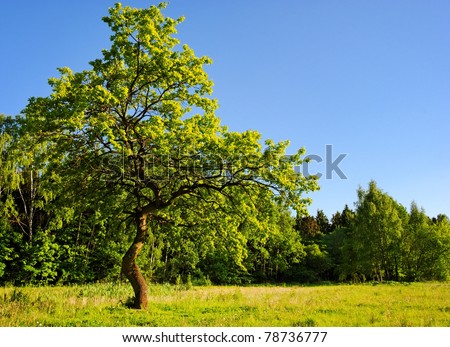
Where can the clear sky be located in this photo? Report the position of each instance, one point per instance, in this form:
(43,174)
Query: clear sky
(370,78)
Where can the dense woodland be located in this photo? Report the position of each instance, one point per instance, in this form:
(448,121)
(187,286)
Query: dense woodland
(130,152)
(42,241)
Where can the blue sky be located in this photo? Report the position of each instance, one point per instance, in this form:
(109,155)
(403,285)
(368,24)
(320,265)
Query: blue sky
(370,78)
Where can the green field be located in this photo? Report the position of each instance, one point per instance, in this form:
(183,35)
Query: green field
(398,305)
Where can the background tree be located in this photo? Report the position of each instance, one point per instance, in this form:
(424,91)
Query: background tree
(425,247)
(140,126)
(276,250)
(377,231)
(308,229)
(22,199)
(323,222)
(8,181)
(342,219)
(339,246)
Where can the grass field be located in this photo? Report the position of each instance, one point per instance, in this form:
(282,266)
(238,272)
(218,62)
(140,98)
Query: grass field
(398,305)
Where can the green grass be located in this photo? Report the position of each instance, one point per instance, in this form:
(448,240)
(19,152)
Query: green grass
(417,304)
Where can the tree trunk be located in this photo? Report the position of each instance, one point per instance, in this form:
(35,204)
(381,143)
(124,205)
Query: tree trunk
(130,268)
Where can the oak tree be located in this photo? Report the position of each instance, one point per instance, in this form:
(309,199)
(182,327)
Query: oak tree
(140,125)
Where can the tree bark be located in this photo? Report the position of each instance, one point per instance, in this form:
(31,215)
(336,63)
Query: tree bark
(130,268)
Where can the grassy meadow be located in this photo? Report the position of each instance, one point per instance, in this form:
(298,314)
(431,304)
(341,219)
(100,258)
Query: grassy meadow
(397,305)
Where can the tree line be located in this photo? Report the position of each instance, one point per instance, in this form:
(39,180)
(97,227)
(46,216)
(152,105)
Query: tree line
(130,153)
(380,240)
(43,242)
